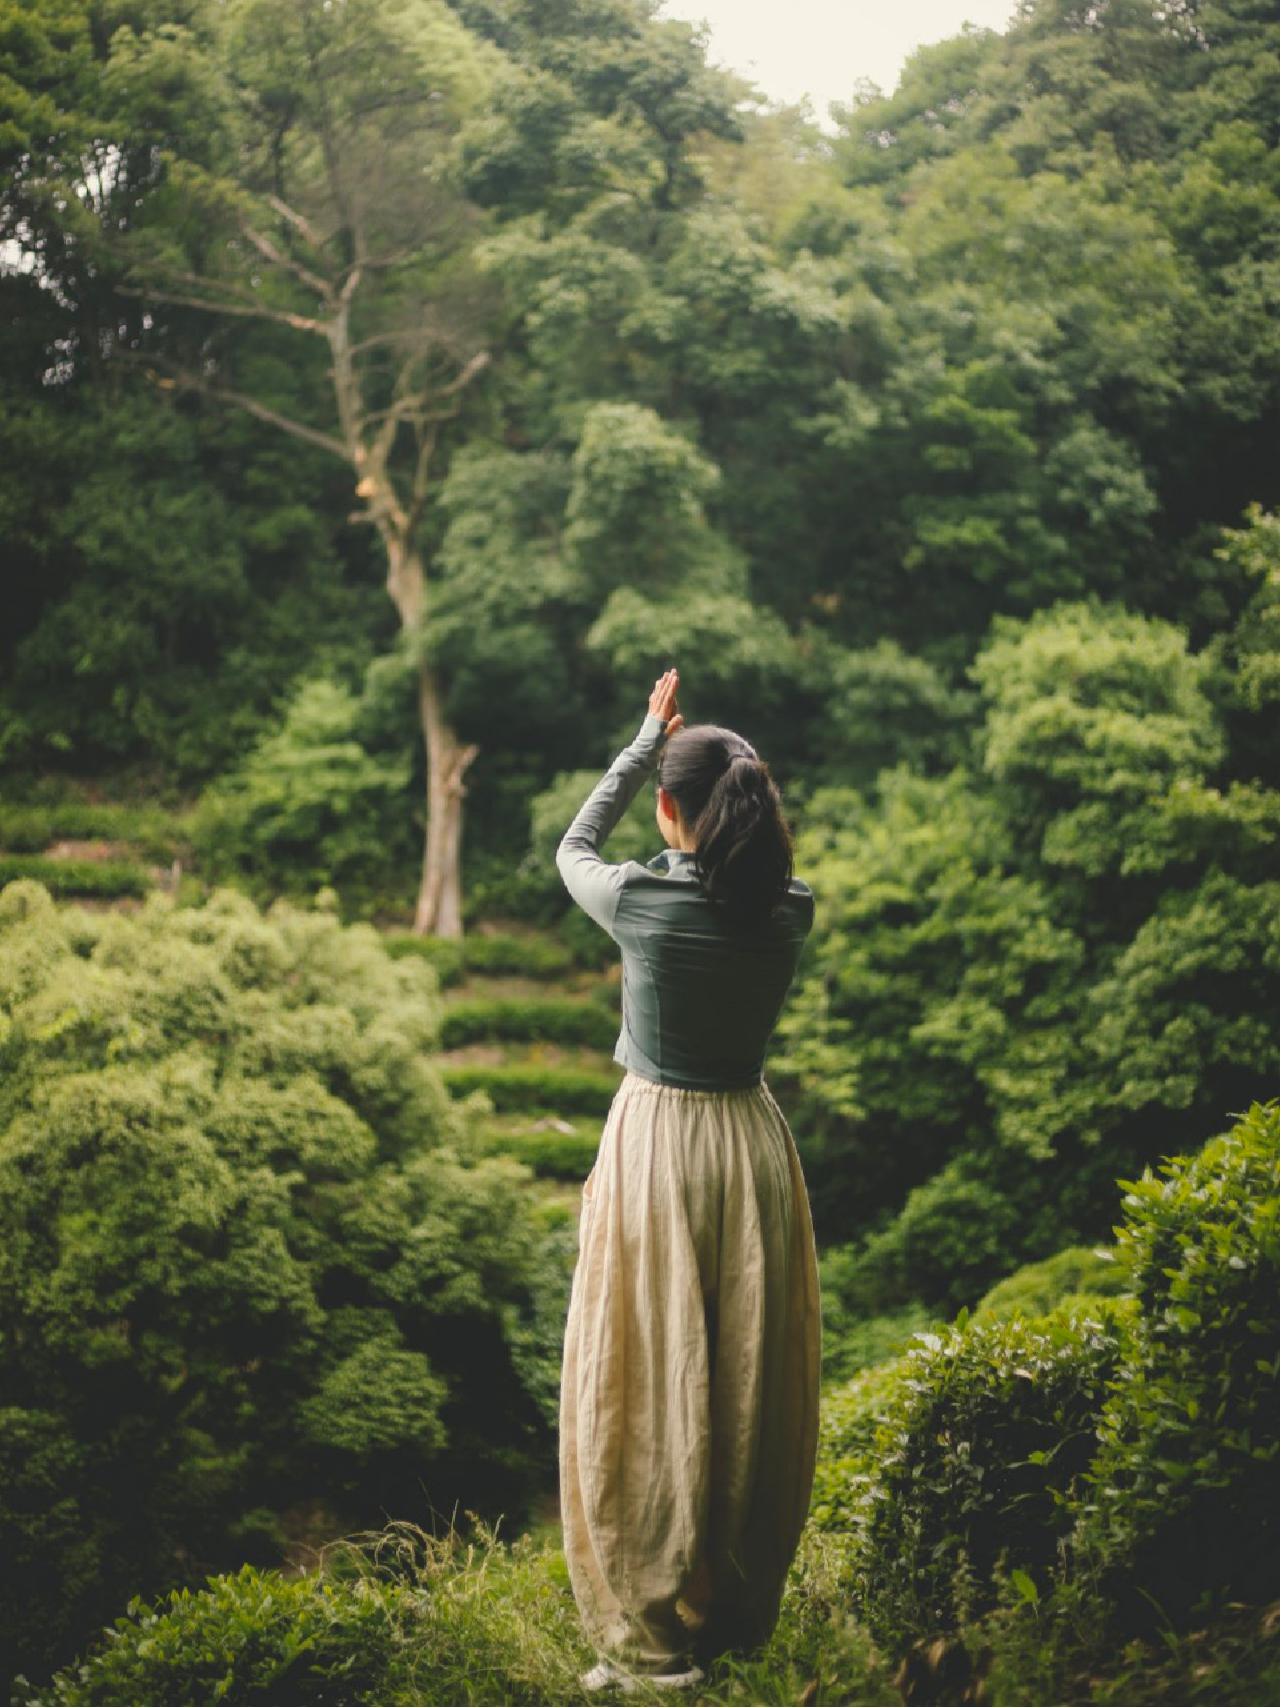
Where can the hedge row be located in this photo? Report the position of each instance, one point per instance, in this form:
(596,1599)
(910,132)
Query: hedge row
(70,877)
(498,956)
(149,829)
(560,1090)
(515,1021)
(551,1154)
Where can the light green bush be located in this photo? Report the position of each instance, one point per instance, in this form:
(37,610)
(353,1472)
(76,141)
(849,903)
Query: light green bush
(1081,1271)
(558,1090)
(311,805)
(249,1254)
(494,955)
(519,1021)
(149,829)
(106,877)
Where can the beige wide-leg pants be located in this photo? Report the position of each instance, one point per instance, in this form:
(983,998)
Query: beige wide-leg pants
(689,1394)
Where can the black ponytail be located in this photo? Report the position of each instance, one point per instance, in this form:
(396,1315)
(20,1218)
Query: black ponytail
(742,846)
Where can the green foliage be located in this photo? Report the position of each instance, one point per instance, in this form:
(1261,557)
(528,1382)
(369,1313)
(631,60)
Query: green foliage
(545,1021)
(489,953)
(1039,1287)
(252,1637)
(108,877)
(1183,1506)
(988,1430)
(310,806)
(515,1085)
(407,1618)
(249,1259)
(853,1336)
(553,1148)
(31,829)
(852,1417)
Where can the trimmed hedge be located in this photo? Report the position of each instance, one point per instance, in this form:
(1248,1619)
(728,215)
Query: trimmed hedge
(515,1021)
(497,956)
(564,1156)
(990,1429)
(66,877)
(559,1090)
(149,829)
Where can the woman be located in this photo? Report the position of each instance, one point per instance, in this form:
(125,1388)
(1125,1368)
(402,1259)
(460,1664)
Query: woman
(689,1395)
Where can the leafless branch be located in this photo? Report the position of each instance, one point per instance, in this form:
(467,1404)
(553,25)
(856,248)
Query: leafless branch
(174,374)
(230,305)
(268,250)
(292,217)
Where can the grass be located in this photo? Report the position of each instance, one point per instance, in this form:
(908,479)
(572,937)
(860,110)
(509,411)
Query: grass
(447,1622)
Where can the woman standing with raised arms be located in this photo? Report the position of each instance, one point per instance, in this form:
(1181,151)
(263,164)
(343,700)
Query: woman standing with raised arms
(689,1394)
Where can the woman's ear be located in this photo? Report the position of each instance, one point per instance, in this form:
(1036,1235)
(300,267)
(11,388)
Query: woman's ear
(667,805)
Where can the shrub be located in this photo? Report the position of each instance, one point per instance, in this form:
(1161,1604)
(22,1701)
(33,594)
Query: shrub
(31,829)
(557,1090)
(1184,1499)
(566,1022)
(990,1426)
(109,877)
(1078,1272)
(252,1637)
(551,1151)
(310,805)
(517,956)
(852,1416)
(496,955)
(241,1262)
(443,954)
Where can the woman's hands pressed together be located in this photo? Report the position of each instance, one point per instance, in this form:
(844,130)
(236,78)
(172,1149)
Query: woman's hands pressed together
(662,701)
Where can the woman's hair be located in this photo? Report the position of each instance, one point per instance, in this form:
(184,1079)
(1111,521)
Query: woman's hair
(733,810)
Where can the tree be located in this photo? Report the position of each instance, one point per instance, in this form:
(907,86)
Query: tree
(327,210)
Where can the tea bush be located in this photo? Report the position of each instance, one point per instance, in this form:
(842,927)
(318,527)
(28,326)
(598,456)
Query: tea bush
(153,832)
(559,1090)
(70,877)
(561,1021)
(852,1416)
(547,1148)
(250,1255)
(495,955)
(1081,1271)
(252,1637)
(987,1429)
(1184,1499)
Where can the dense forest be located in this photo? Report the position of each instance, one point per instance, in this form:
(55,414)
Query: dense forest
(390,389)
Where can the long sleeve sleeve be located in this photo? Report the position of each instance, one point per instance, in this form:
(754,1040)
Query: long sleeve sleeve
(595,885)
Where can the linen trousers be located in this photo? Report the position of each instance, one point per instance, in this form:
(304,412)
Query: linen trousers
(689,1391)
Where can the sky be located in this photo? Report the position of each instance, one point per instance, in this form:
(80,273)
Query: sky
(820,48)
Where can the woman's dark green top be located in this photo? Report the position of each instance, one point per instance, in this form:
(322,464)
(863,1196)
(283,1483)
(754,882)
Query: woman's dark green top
(700,998)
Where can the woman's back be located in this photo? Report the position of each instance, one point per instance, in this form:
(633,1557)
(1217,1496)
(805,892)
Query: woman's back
(701,995)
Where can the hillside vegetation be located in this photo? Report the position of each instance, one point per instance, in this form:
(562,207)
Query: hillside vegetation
(390,391)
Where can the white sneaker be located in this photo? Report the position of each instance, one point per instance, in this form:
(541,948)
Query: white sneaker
(605,1675)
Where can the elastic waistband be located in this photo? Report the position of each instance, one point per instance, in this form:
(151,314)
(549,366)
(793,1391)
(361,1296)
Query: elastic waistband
(635,1084)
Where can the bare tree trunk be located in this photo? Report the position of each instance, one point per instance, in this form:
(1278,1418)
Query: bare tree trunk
(439,910)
